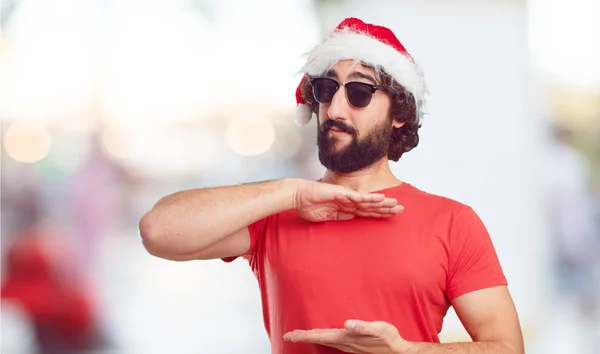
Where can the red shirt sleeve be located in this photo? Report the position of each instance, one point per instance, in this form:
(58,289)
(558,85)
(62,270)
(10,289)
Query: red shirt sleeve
(257,232)
(473,262)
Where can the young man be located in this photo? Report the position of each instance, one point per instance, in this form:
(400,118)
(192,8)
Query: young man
(340,263)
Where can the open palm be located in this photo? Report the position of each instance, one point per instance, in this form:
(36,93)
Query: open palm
(317,201)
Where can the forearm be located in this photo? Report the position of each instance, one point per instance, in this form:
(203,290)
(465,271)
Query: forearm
(463,348)
(189,221)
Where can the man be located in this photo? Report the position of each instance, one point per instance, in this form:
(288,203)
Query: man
(341,265)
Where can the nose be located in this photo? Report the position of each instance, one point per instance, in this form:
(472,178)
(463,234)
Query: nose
(338,107)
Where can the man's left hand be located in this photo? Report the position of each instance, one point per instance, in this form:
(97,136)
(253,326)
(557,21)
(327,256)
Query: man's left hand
(357,337)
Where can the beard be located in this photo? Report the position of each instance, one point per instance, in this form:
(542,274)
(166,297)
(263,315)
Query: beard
(359,153)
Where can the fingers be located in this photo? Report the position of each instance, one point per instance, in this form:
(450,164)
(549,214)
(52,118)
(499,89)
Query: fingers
(371,199)
(379,214)
(317,336)
(371,205)
(373,211)
(359,197)
(365,200)
(373,329)
(386,204)
(356,327)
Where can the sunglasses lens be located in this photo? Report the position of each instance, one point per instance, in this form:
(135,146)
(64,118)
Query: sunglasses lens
(324,89)
(359,94)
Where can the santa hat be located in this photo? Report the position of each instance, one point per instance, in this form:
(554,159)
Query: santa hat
(372,45)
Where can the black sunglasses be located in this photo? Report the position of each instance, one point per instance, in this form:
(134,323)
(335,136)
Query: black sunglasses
(358,94)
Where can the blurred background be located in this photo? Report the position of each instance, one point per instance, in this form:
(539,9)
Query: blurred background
(106,106)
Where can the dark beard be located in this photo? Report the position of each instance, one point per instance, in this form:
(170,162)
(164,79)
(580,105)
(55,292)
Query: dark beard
(357,155)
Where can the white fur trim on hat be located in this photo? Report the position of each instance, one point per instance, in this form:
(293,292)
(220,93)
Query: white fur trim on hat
(348,44)
(303,114)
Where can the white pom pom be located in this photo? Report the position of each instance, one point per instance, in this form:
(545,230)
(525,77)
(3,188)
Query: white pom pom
(303,114)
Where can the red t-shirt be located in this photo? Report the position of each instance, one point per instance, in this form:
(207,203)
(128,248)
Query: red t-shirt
(404,270)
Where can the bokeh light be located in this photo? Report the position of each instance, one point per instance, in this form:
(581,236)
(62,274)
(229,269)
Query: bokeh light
(119,143)
(250,136)
(49,62)
(27,143)
(67,154)
(564,40)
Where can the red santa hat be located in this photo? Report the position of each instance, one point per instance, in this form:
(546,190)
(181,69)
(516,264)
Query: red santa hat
(372,45)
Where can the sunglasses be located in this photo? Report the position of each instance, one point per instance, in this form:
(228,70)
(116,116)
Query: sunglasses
(358,94)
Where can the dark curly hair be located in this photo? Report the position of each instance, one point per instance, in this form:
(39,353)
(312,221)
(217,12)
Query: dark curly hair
(403,108)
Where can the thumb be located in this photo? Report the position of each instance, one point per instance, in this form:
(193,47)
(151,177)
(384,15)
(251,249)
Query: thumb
(363,328)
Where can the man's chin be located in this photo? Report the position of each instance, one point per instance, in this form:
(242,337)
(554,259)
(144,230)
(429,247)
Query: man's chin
(337,145)
(336,149)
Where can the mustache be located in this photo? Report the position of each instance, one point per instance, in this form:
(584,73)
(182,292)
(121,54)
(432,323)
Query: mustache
(338,124)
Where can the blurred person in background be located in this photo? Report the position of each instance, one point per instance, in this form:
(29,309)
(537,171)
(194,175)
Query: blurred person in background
(341,265)
(573,218)
(99,193)
(39,282)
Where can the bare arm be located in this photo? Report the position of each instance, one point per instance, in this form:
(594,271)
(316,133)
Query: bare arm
(488,315)
(213,222)
(198,223)
(490,318)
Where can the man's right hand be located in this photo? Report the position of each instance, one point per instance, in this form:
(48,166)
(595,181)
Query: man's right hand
(318,201)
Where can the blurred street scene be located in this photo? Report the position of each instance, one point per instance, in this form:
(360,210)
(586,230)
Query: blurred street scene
(106,106)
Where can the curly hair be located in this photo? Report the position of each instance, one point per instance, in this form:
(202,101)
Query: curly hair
(403,108)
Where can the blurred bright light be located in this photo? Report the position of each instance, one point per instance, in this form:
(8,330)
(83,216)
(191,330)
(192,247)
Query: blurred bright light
(564,40)
(47,70)
(157,152)
(262,56)
(158,65)
(250,136)
(67,154)
(144,62)
(27,143)
(120,144)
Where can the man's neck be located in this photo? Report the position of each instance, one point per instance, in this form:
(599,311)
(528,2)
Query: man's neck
(373,178)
